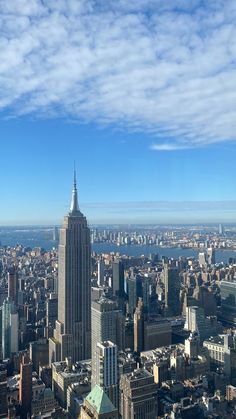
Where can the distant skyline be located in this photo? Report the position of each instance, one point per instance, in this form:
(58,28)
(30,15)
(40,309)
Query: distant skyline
(140,94)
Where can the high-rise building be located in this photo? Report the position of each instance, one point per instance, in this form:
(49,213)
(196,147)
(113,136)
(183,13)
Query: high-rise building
(161,370)
(25,390)
(107,324)
(192,345)
(51,314)
(157,332)
(211,256)
(228,301)
(55,236)
(138,395)
(146,292)
(106,370)
(38,353)
(196,321)
(12,279)
(172,290)
(101,268)
(118,278)
(10,328)
(132,289)
(72,336)
(221,230)
(202,259)
(139,327)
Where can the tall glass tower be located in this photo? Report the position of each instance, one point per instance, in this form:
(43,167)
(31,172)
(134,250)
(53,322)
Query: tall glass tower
(72,335)
(10,328)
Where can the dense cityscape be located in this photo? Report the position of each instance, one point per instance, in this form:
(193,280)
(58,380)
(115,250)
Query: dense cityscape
(117,209)
(171,236)
(114,335)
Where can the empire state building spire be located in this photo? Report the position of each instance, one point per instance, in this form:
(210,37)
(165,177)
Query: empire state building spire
(74,207)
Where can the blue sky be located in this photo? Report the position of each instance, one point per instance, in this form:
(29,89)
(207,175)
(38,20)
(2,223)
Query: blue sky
(142,97)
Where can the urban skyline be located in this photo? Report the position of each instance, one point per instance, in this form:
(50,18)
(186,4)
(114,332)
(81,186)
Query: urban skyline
(149,116)
(97,335)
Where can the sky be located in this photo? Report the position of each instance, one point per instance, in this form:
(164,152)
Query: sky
(141,95)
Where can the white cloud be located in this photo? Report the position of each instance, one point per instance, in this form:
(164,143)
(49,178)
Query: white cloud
(169,146)
(167,68)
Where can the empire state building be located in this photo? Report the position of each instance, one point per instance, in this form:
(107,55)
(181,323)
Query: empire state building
(72,334)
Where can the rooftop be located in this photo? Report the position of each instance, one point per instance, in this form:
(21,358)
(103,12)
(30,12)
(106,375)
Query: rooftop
(100,402)
(138,374)
(217,340)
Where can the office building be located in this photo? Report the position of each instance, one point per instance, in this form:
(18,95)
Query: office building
(12,279)
(216,350)
(39,353)
(118,279)
(101,269)
(228,301)
(55,235)
(196,321)
(51,314)
(204,297)
(106,370)
(211,256)
(171,281)
(221,230)
(161,370)
(139,327)
(192,345)
(107,324)
(138,395)
(157,332)
(25,391)
(73,327)
(10,328)
(146,292)
(132,288)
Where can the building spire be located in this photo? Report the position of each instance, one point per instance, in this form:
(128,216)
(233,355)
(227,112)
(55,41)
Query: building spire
(74,208)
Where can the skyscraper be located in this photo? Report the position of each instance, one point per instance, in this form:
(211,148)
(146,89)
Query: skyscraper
(132,293)
(172,290)
(139,327)
(25,390)
(221,230)
(118,278)
(107,324)
(10,324)
(101,268)
(12,277)
(228,301)
(51,314)
(106,370)
(72,335)
(211,256)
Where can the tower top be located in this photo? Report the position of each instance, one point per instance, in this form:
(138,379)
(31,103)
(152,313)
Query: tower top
(74,207)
